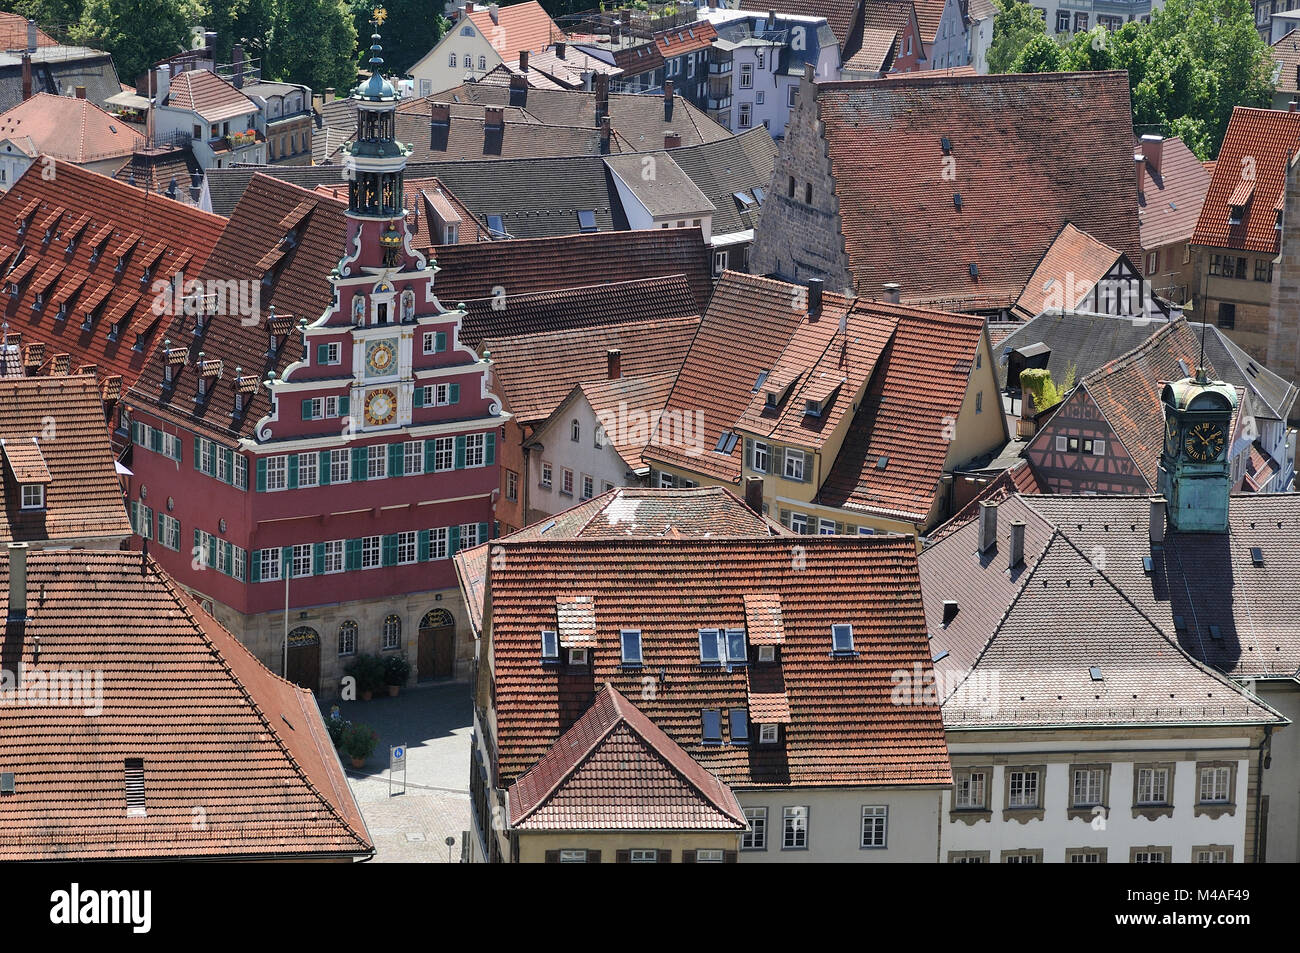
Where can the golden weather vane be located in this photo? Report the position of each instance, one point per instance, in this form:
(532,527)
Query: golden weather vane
(380,15)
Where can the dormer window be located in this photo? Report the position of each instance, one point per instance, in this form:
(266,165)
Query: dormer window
(770,402)
(767,653)
(812,408)
(768,734)
(550,645)
(33,496)
(577,657)
(62,314)
(842,639)
(121,265)
(38,302)
(1235,214)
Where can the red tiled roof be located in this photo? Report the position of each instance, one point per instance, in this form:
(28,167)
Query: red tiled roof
(83,497)
(1067,272)
(214,729)
(13,33)
(635,394)
(1020,477)
(763,618)
(876,50)
(69,128)
(534,372)
(1286,54)
(115,210)
(910,403)
(1029,152)
(1256,149)
(928,15)
(1260,469)
(1170,200)
(839,14)
(686,38)
(844,730)
(520,26)
(208,95)
(614,769)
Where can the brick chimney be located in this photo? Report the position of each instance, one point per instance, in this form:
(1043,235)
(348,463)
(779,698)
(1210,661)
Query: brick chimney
(518,90)
(1153,148)
(602,96)
(668,100)
(237,64)
(27,76)
(494,117)
(1138,163)
(988,526)
(893,293)
(1017,555)
(754,493)
(1156,523)
(329,94)
(440,113)
(604,135)
(494,11)
(560,49)
(614,363)
(31,36)
(523,61)
(17,581)
(814,297)
(672,139)
(81,92)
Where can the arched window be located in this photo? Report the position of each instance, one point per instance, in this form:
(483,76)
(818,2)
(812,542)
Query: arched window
(575,431)
(348,638)
(392,632)
(482,63)
(451,60)
(408,305)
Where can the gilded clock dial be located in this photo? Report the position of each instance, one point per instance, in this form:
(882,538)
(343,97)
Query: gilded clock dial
(1204,442)
(381,357)
(1171,436)
(381,407)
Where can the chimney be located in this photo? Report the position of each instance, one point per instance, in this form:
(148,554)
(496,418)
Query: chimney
(602,96)
(329,94)
(163,84)
(668,100)
(523,62)
(31,36)
(559,50)
(672,139)
(809,72)
(1138,163)
(440,113)
(27,76)
(494,11)
(196,186)
(604,135)
(171,188)
(1153,148)
(1157,522)
(1025,426)
(494,117)
(237,62)
(518,89)
(81,92)
(1291,106)
(893,293)
(1017,544)
(614,363)
(754,493)
(950,610)
(17,581)
(814,297)
(988,526)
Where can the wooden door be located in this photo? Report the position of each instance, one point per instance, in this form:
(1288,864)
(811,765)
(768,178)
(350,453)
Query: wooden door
(304,659)
(436,651)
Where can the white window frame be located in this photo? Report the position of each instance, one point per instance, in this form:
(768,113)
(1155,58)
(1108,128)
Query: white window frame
(548,475)
(407,547)
(566,481)
(762,459)
(377,462)
(970,790)
(270,564)
(627,658)
(875,827)
(475,450)
(341,465)
(308,469)
(334,556)
(1213,774)
(469,535)
(444,454)
(413,458)
(791,458)
(756,837)
(36,500)
(710,855)
(794,827)
(438,543)
(836,636)
(1022,789)
(825,527)
(372,552)
(769,734)
(799,522)
(1088,777)
(300,564)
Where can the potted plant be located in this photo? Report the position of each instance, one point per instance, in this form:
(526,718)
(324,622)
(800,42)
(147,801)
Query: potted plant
(396,670)
(368,670)
(336,725)
(359,742)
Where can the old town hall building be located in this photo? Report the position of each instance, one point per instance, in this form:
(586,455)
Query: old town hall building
(328,463)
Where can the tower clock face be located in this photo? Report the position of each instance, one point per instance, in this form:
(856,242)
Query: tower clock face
(381,358)
(1204,442)
(1171,436)
(381,407)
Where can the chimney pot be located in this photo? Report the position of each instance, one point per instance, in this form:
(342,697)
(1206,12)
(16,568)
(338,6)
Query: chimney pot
(81,92)
(17,580)
(1157,521)
(672,139)
(1017,544)
(329,94)
(814,297)
(614,363)
(754,493)
(893,293)
(988,526)
(1153,148)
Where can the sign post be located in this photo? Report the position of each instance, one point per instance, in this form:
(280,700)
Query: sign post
(396,762)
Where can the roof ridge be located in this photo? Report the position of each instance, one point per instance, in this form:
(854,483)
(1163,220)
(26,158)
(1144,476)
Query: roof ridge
(1132,354)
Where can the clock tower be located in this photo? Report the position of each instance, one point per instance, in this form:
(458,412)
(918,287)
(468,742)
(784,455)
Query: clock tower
(1195,475)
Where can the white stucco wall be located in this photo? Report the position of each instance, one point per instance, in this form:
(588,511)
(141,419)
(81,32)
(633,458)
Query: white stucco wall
(1282,778)
(951,46)
(603,465)
(835,825)
(434,72)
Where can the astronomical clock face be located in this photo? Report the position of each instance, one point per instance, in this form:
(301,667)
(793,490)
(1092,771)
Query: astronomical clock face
(1171,436)
(381,407)
(381,358)
(1204,442)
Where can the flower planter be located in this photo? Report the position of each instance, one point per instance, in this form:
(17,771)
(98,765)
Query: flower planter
(393,690)
(367,695)
(358,762)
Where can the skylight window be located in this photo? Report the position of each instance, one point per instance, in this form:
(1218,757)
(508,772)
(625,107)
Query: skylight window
(7,783)
(586,220)
(945,144)
(1216,634)
(956,201)
(711,726)
(726,442)
(760,195)
(134,772)
(723,647)
(974,270)
(943,654)
(1180,624)
(744,200)
(1257,555)
(709,646)
(1182,366)
(1095,674)
(496,226)
(739,726)
(550,644)
(1146,565)
(759,383)
(841,638)
(631,641)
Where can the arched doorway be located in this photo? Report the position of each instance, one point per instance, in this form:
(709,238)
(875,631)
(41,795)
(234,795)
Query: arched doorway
(436,657)
(304,658)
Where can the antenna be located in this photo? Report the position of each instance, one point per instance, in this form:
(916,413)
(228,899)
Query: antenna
(1201,376)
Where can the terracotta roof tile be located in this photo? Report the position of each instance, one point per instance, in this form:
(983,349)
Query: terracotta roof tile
(645,394)
(207,94)
(1029,152)
(877,50)
(687,38)
(614,769)
(839,14)
(519,26)
(68,128)
(1067,272)
(844,728)
(763,618)
(1256,148)
(213,728)
(13,33)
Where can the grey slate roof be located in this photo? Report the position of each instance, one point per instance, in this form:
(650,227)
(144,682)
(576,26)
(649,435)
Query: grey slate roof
(1078,338)
(1275,396)
(59,70)
(723,168)
(659,184)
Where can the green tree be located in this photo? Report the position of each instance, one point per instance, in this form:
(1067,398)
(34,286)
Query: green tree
(137,32)
(243,21)
(1015,24)
(410,29)
(55,17)
(1040,55)
(313,42)
(1091,50)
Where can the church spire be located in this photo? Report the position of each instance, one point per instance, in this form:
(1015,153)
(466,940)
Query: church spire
(375,159)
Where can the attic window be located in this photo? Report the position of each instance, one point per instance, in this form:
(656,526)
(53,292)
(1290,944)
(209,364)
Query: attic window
(134,770)
(759,383)
(812,408)
(1180,624)
(1215,633)
(496,226)
(946,145)
(7,783)
(630,640)
(711,726)
(33,496)
(1257,555)
(882,462)
(726,442)
(956,202)
(586,220)
(550,645)
(941,656)
(841,639)
(974,271)
(744,200)
(759,195)
(1182,366)
(1095,674)
(1146,565)
(1235,214)
(950,610)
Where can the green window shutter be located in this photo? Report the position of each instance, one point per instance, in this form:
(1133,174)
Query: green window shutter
(225,563)
(293,471)
(358,463)
(749,453)
(490,449)
(198,541)
(323,468)
(318,558)
(344,403)
(261,474)
(453,393)
(422,546)
(286,561)
(394,459)
(419,396)
(306,408)
(440,341)
(430,455)
(212,552)
(211,469)
(159,537)
(255,566)
(197,442)
(322,353)
(389,550)
(460,452)
(483,532)
(155,440)
(352,554)
(453,541)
